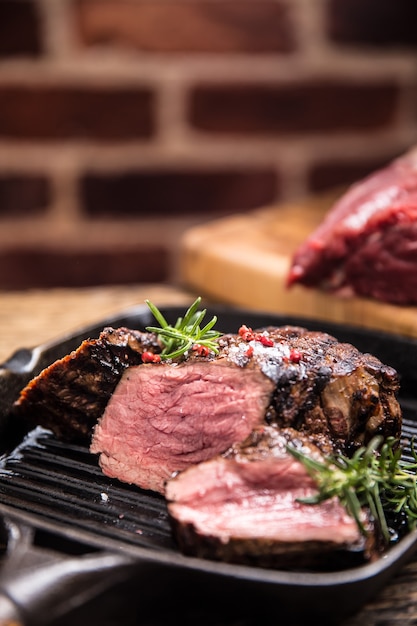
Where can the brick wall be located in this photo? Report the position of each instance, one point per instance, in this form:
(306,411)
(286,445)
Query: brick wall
(123,122)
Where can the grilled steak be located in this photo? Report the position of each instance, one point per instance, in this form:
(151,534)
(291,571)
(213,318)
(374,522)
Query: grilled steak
(210,432)
(164,417)
(70,395)
(148,420)
(244,507)
(367,243)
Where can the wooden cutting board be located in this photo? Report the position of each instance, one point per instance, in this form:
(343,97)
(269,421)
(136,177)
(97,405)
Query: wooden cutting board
(244,260)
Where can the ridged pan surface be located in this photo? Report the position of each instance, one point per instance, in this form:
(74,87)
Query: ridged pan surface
(59,488)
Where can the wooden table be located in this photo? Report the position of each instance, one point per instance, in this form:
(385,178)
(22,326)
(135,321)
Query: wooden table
(33,317)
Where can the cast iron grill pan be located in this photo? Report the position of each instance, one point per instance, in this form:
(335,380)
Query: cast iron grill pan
(73,514)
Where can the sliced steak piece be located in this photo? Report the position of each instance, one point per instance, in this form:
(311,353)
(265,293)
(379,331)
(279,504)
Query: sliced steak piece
(70,395)
(244,507)
(367,243)
(164,417)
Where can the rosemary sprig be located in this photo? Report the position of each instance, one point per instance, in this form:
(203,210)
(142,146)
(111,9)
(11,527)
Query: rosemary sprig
(374,477)
(186,333)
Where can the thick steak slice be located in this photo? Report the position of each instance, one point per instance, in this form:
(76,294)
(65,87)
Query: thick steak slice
(367,243)
(163,418)
(70,395)
(243,508)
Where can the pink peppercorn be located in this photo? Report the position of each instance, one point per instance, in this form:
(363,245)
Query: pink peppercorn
(201,350)
(265,341)
(150,357)
(246,333)
(295,356)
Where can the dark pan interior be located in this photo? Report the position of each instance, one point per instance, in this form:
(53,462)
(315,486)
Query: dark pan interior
(60,491)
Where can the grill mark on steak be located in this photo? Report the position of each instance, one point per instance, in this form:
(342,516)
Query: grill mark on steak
(243,507)
(70,395)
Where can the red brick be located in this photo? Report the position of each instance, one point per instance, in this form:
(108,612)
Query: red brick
(326,175)
(293,108)
(20,33)
(41,268)
(23,195)
(44,112)
(143,193)
(231,26)
(373,22)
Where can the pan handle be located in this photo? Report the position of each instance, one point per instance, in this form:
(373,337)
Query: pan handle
(39,585)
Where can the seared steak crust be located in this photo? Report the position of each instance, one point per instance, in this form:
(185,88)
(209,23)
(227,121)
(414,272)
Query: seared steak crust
(323,387)
(244,507)
(70,395)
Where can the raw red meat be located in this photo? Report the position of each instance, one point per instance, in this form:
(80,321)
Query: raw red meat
(367,243)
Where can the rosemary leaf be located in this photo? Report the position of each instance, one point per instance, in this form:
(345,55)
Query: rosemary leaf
(374,477)
(186,332)
(157,314)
